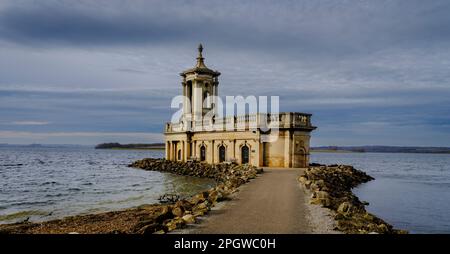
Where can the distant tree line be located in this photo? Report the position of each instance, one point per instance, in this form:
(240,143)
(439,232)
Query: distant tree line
(118,145)
(385,149)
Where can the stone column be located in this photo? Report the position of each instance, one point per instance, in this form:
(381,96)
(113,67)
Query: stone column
(196,150)
(287,149)
(213,87)
(182,151)
(196,101)
(216,94)
(185,111)
(256,153)
(189,105)
(186,150)
(261,153)
(211,152)
(234,149)
(174,151)
(167,150)
(171,150)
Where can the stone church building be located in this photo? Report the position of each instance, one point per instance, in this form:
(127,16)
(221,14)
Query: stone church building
(240,139)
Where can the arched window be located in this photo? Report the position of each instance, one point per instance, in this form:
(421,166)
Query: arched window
(245,154)
(222,153)
(179,155)
(202,153)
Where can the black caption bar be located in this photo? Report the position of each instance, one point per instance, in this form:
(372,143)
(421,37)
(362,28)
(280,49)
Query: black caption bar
(216,243)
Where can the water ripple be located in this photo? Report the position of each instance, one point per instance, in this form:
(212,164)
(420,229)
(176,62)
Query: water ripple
(71,181)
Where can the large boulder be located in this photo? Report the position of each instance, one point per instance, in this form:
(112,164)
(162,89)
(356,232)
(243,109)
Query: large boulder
(213,196)
(178,211)
(321,198)
(302,179)
(163,214)
(189,218)
(345,208)
(199,198)
(174,224)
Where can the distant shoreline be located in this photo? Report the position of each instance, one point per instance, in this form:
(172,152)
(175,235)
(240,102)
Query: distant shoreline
(135,148)
(317,149)
(118,146)
(347,151)
(332,151)
(381,149)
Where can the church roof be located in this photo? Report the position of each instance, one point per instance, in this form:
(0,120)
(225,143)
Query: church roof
(200,67)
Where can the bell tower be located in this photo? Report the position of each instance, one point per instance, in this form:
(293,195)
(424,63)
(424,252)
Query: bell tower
(200,88)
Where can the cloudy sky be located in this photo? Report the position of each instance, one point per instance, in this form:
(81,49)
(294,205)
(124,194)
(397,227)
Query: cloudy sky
(84,72)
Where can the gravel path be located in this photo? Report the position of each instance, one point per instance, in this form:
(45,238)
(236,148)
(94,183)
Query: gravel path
(272,203)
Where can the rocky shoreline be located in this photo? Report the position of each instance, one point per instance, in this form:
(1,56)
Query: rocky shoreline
(331,187)
(153,218)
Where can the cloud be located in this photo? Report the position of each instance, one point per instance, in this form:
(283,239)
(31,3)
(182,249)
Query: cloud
(84,138)
(112,66)
(22,134)
(30,123)
(111,111)
(131,71)
(318,27)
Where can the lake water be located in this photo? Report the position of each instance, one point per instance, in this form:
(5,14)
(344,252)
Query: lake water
(49,183)
(410,191)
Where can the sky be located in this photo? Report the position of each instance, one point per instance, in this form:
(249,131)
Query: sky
(86,72)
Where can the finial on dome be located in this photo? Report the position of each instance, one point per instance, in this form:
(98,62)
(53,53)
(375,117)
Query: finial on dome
(200,58)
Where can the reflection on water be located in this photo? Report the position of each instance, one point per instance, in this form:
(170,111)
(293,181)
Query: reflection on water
(49,183)
(410,191)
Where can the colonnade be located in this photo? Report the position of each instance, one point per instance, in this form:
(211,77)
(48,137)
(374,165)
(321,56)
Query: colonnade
(182,150)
